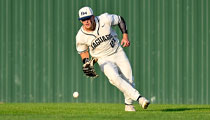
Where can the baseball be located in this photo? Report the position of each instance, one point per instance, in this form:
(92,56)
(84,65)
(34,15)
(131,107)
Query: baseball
(75,94)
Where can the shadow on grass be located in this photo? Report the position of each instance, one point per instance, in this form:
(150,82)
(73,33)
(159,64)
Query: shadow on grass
(183,109)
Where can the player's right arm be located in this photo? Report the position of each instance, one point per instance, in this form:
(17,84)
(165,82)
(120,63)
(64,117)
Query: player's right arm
(84,56)
(82,47)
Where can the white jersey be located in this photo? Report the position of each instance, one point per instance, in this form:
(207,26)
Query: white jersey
(103,40)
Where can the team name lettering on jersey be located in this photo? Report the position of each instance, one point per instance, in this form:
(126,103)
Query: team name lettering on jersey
(101,39)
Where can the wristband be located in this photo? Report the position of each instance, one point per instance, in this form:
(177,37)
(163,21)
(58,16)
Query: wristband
(85,60)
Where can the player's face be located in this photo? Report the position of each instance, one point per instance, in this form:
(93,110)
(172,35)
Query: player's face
(88,25)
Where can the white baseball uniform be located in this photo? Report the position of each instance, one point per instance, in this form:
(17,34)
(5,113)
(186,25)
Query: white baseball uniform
(104,45)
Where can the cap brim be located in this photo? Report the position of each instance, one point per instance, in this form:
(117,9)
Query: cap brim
(86,17)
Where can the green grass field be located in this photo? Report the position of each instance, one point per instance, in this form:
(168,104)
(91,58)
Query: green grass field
(100,111)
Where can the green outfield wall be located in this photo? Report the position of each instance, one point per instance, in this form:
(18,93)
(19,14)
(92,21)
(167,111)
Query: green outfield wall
(169,51)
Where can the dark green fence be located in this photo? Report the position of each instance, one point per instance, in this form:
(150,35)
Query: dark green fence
(169,50)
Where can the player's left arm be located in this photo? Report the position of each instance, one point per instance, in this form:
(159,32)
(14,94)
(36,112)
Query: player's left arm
(119,20)
(122,25)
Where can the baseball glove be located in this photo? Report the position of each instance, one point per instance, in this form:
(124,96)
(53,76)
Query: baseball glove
(88,68)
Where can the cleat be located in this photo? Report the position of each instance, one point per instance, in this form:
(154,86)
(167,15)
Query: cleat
(144,103)
(129,108)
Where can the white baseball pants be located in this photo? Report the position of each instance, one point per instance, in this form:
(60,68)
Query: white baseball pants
(118,70)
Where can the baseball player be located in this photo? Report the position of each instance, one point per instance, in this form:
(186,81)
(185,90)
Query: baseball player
(97,37)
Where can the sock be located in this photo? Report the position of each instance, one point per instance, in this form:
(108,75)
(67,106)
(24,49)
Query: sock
(138,98)
(128,104)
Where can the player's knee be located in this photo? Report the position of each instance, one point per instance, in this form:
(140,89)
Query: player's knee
(115,80)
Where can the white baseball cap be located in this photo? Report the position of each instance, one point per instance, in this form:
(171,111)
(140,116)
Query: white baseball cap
(85,13)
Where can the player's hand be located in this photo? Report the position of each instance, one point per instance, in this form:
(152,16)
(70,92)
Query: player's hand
(88,68)
(125,42)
